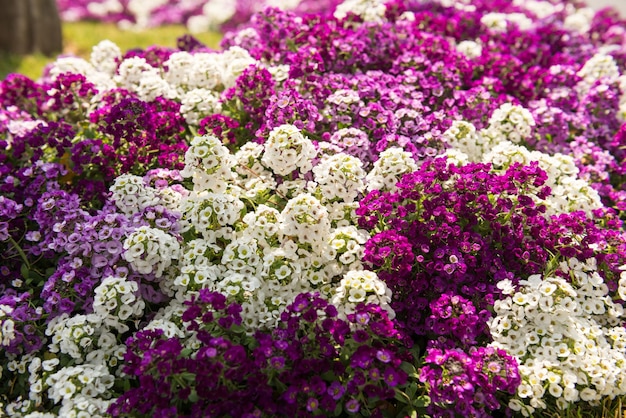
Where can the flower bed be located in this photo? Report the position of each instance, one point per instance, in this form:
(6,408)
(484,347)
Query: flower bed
(403,208)
(197,15)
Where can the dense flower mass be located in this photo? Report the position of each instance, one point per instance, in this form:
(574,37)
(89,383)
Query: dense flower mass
(374,208)
(197,15)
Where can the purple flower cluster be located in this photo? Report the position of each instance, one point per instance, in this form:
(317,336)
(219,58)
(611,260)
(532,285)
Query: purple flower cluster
(446,231)
(465,383)
(312,363)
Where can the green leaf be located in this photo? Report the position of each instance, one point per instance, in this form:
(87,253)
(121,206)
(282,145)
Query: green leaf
(24,271)
(409,369)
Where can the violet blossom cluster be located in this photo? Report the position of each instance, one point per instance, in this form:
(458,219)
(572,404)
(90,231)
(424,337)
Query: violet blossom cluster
(382,208)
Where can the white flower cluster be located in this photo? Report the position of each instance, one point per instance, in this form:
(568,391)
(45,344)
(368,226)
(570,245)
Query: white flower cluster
(105,57)
(264,239)
(463,137)
(131,194)
(368,10)
(500,22)
(119,298)
(137,75)
(599,67)
(470,49)
(579,20)
(340,177)
(37,371)
(361,287)
(197,269)
(211,215)
(305,221)
(540,8)
(345,247)
(499,145)
(510,123)
(81,390)
(209,164)
(621,291)
(287,150)
(194,79)
(393,163)
(214,13)
(150,250)
(197,103)
(74,335)
(7,329)
(567,336)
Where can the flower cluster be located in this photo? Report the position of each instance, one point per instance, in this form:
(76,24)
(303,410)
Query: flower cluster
(313,362)
(568,336)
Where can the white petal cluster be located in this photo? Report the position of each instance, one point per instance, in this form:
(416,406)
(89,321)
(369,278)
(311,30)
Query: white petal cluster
(211,214)
(345,249)
(500,22)
(340,177)
(305,221)
(214,13)
(579,20)
(119,298)
(198,103)
(599,67)
(86,384)
(209,164)
(105,57)
(7,329)
(88,339)
(464,137)
(393,163)
(150,250)
(137,75)
(74,335)
(131,194)
(368,10)
(188,72)
(361,287)
(510,123)
(287,150)
(471,49)
(567,336)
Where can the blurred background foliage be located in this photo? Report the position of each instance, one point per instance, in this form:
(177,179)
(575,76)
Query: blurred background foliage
(80,37)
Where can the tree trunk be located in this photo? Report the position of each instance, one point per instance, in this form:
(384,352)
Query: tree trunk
(28,26)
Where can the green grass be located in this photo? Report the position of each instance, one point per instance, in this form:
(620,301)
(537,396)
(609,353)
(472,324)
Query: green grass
(80,37)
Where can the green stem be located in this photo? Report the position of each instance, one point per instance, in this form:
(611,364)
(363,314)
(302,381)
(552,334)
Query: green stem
(20,251)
